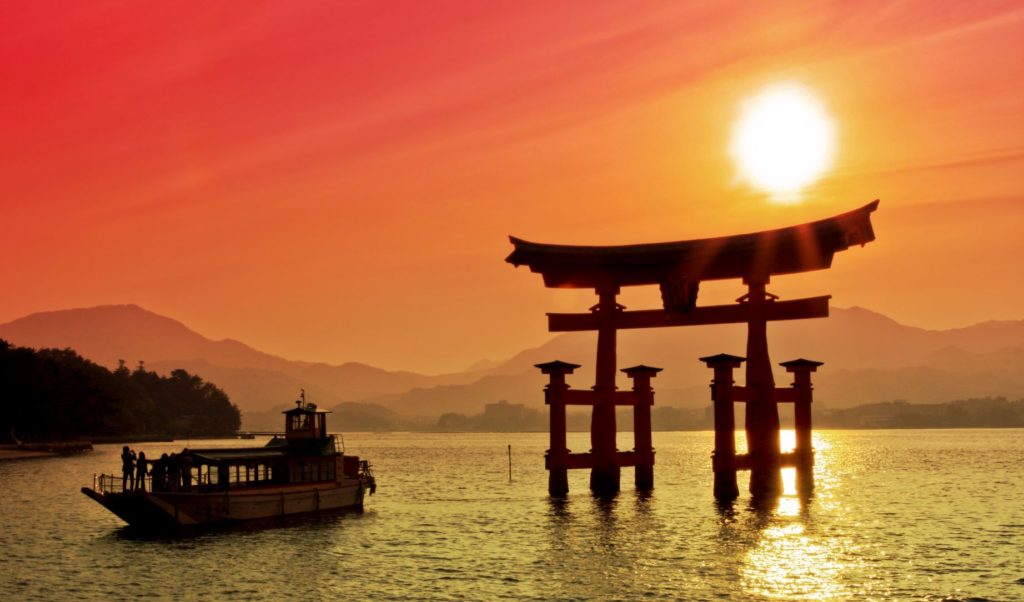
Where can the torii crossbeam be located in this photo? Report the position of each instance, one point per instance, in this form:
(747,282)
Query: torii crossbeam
(678,268)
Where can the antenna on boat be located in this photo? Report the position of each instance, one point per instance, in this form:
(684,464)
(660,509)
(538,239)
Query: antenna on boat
(301,401)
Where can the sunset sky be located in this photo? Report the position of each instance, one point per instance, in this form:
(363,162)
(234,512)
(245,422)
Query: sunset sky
(336,181)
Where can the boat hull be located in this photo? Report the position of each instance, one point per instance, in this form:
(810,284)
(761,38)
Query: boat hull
(166,510)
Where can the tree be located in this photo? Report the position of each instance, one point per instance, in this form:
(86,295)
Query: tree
(57,394)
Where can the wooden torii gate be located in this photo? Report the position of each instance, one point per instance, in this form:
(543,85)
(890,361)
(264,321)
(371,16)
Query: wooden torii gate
(678,268)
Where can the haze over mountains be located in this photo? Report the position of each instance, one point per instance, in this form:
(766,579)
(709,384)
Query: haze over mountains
(869,358)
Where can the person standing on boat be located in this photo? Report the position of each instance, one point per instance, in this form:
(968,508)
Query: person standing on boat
(160,473)
(141,466)
(127,469)
(173,476)
(185,469)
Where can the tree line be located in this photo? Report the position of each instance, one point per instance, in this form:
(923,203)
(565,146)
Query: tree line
(979,412)
(55,394)
(982,412)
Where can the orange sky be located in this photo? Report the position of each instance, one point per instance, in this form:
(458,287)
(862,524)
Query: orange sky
(336,181)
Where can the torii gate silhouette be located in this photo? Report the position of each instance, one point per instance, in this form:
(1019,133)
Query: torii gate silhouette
(678,268)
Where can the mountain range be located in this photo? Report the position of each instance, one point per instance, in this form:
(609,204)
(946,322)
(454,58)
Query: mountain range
(868,358)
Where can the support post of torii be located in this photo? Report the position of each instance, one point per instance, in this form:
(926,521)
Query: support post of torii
(723,459)
(557,458)
(642,445)
(803,394)
(605,465)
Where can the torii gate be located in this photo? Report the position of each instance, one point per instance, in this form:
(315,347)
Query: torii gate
(678,269)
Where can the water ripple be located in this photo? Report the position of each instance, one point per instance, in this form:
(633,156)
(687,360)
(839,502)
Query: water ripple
(918,515)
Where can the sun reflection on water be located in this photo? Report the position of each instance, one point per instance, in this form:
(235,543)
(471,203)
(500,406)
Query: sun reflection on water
(787,440)
(787,559)
(784,557)
(788,563)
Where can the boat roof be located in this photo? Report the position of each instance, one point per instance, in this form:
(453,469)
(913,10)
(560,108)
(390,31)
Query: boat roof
(306,411)
(244,454)
(800,248)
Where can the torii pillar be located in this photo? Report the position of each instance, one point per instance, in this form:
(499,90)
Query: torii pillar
(605,472)
(803,396)
(643,448)
(557,458)
(762,416)
(723,460)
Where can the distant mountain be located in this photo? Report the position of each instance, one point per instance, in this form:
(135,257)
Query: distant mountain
(346,417)
(868,357)
(479,365)
(524,387)
(253,379)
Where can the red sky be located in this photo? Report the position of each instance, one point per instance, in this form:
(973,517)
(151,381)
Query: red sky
(336,181)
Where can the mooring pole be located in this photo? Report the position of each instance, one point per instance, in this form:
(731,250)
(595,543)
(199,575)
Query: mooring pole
(604,474)
(762,417)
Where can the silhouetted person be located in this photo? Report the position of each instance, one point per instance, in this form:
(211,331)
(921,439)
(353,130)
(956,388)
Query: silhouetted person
(160,473)
(127,469)
(141,470)
(173,472)
(185,470)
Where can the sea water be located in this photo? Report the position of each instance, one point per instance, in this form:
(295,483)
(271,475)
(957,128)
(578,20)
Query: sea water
(896,515)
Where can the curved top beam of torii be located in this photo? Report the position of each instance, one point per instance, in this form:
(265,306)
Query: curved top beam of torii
(683,264)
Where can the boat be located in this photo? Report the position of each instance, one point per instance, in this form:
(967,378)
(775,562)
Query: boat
(302,472)
(46,448)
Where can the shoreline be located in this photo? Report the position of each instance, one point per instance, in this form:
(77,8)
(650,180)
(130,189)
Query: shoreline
(18,454)
(25,451)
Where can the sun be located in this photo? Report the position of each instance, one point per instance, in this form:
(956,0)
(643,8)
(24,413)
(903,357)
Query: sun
(783,141)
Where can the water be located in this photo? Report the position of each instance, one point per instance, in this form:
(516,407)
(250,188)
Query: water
(897,515)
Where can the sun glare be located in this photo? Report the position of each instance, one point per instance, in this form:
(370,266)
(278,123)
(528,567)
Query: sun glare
(783,141)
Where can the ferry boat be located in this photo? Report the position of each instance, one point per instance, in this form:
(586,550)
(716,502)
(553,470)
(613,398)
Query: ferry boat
(302,472)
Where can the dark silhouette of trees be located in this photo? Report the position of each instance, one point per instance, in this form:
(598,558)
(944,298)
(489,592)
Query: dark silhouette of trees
(52,394)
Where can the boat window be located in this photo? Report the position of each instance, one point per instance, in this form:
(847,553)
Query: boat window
(301,422)
(211,476)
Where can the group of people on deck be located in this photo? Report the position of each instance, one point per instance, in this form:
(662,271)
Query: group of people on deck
(170,472)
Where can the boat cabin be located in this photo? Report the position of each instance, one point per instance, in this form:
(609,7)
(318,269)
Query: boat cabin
(305,422)
(306,454)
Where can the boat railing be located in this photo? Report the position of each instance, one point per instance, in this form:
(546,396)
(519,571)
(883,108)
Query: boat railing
(198,482)
(108,483)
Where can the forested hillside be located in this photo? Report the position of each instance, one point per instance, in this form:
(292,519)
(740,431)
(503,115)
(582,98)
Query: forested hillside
(57,394)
